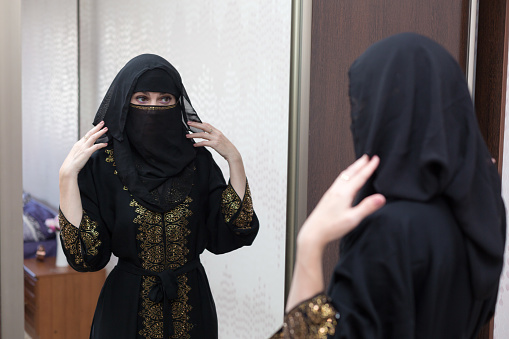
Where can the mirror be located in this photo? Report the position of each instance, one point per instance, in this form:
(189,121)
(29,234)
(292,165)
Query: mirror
(234,59)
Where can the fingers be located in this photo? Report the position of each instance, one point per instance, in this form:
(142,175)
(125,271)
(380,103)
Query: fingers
(356,165)
(201,135)
(359,172)
(95,129)
(203,143)
(365,172)
(206,127)
(367,206)
(95,133)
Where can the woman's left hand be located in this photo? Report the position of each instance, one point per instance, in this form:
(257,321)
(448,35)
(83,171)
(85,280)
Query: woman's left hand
(215,139)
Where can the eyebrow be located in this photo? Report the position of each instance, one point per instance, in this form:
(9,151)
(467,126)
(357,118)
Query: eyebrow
(162,93)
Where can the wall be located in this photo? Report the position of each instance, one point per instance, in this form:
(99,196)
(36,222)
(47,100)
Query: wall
(11,254)
(234,59)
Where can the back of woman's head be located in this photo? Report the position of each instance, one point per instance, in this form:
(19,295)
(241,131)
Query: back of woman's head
(411,106)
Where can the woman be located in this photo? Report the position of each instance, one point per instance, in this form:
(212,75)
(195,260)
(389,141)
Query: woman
(427,264)
(139,187)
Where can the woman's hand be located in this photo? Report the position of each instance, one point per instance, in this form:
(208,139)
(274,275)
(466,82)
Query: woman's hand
(82,151)
(70,200)
(215,139)
(331,219)
(334,215)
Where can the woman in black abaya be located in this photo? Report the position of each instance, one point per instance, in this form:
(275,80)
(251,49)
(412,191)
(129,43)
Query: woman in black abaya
(138,186)
(426,264)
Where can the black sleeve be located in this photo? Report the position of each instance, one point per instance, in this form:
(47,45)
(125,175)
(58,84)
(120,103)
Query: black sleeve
(87,246)
(232,222)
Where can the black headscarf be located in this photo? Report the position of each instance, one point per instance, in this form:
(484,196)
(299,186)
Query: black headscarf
(153,158)
(411,106)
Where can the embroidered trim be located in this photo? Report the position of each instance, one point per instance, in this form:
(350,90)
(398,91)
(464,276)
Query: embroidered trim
(152,108)
(157,256)
(315,318)
(231,203)
(71,235)
(70,239)
(89,235)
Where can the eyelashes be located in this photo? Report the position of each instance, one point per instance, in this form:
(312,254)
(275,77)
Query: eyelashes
(165,100)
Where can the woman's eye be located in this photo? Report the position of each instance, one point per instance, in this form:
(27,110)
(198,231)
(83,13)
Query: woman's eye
(166,100)
(141,98)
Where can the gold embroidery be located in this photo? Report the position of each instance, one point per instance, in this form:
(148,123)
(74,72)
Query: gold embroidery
(315,318)
(110,157)
(152,313)
(71,234)
(153,108)
(180,310)
(153,257)
(89,235)
(245,217)
(231,203)
(176,233)
(70,239)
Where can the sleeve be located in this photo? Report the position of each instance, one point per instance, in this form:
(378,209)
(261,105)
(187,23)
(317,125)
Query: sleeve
(315,318)
(87,247)
(232,222)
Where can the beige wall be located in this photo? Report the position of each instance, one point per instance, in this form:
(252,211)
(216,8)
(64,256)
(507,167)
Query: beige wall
(11,254)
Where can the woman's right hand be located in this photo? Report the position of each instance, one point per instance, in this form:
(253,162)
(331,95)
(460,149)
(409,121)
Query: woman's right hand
(334,216)
(83,150)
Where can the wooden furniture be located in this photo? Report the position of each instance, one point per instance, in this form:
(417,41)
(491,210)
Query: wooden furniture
(59,302)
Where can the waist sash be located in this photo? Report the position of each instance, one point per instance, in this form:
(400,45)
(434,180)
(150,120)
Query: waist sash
(165,288)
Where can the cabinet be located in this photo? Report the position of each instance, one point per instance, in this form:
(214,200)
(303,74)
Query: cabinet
(59,302)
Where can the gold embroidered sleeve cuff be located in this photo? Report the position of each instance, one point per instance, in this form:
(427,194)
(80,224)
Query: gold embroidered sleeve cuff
(236,211)
(315,318)
(89,235)
(73,238)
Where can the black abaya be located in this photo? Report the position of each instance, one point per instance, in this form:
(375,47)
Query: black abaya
(428,263)
(211,217)
(159,288)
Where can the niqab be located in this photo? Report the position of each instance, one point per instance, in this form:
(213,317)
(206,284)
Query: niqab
(411,106)
(153,158)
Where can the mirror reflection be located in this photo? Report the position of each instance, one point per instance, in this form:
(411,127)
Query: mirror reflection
(234,63)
